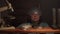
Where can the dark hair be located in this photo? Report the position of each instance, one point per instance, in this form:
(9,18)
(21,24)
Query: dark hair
(34,10)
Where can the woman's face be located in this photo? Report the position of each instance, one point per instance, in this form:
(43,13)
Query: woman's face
(35,17)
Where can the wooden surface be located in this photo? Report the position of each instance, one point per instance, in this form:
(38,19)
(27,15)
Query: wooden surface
(32,30)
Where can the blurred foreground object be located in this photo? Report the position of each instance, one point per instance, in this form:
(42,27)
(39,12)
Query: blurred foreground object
(6,28)
(9,6)
(2,22)
(3,26)
(6,13)
(2,9)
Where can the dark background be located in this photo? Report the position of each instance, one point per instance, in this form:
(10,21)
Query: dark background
(21,7)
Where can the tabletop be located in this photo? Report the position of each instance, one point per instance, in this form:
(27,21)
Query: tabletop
(32,30)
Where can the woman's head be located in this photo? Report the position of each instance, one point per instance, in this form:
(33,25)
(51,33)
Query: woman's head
(35,15)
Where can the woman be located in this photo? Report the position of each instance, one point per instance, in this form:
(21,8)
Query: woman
(35,23)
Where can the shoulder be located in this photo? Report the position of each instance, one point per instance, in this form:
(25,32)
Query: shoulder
(24,24)
(44,24)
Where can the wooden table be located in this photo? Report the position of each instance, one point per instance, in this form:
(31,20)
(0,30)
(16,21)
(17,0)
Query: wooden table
(32,30)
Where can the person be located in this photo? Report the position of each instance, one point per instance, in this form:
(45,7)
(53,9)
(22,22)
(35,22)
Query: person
(35,23)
